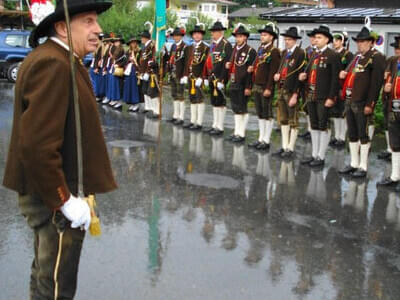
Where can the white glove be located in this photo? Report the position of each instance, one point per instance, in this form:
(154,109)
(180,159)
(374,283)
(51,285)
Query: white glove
(220,86)
(206,83)
(184,80)
(77,211)
(145,77)
(199,81)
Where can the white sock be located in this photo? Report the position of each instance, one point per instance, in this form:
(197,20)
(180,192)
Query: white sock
(371,131)
(343,129)
(156,105)
(293,137)
(337,127)
(146,102)
(364,151)
(315,137)
(325,136)
(285,131)
(262,126)
(221,119)
(193,113)
(215,117)
(355,154)
(308,123)
(245,121)
(268,131)
(200,113)
(182,110)
(388,141)
(176,110)
(236,118)
(395,166)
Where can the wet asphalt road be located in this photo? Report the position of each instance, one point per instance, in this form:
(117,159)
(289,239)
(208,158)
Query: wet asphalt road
(196,217)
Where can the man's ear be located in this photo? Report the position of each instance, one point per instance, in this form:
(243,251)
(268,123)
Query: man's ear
(61,29)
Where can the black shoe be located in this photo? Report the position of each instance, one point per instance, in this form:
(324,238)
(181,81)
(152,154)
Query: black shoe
(195,127)
(254,144)
(360,173)
(208,129)
(387,182)
(385,155)
(188,125)
(317,162)
(263,146)
(238,139)
(145,111)
(287,154)
(307,161)
(279,152)
(305,135)
(216,132)
(347,170)
(333,142)
(340,144)
(173,120)
(178,122)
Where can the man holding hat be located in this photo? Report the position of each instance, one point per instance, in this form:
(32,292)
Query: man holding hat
(321,78)
(220,53)
(287,78)
(363,80)
(266,65)
(392,111)
(196,72)
(340,41)
(178,60)
(42,159)
(242,58)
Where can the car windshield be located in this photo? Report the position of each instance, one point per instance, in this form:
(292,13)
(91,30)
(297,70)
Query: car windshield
(15,40)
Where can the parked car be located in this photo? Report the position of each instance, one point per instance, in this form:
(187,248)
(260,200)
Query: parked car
(14,47)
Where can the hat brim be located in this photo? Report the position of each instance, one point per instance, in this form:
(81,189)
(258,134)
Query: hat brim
(42,30)
(291,36)
(199,31)
(270,32)
(363,39)
(133,40)
(177,34)
(241,33)
(217,29)
(328,35)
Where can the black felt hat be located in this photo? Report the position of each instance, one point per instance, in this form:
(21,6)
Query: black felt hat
(364,35)
(178,31)
(271,29)
(197,28)
(118,38)
(241,30)
(133,39)
(324,30)
(74,7)
(292,32)
(311,33)
(396,43)
(217,27)
(146,34)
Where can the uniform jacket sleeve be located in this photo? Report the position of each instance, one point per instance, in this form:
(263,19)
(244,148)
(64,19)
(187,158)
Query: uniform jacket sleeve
(300,61)
(42,130)
(228,54)
(335,69)
(378,69)
(252,58)
(274,67)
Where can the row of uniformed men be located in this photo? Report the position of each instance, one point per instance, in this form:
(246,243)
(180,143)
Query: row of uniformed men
(331,82)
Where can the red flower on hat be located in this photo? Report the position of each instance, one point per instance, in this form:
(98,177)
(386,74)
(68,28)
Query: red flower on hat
(40,9)
(183,31)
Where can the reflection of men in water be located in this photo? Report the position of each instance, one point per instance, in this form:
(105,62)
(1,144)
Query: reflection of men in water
(42,164)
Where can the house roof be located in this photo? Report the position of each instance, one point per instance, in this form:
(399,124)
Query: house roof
(246,12)
(333,15)
(221,2)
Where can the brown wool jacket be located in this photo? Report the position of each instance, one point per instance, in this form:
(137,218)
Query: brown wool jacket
(42,155)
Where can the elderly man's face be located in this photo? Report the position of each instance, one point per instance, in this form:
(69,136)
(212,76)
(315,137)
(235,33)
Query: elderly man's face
(84,30)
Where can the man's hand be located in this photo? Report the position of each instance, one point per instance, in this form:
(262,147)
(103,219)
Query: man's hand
(220,86)
(250,69)
(145,77)
(199,81)
(388,87)
(367,110)
(206,83)
(77,211)
(277,76)
(329,102)
(342,74)
(267,93)
(293,100)
(228,65)
(247,92)
(302,76)
(184,80)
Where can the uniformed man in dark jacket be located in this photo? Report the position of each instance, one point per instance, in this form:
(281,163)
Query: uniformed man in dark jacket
(178,60)
(363,80)
(220,53)
(42,162)
(196,72)
(287,78)
(265,67)
(340,42)
(243,57)
(392,96)
(321,78)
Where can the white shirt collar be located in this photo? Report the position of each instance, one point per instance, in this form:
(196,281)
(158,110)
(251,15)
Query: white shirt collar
(322,50)
(219,40)
(240,47)
(179,43)
(340,50)
(267,45)
(147,43)
(62,44)
(291,50)
(198,43)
